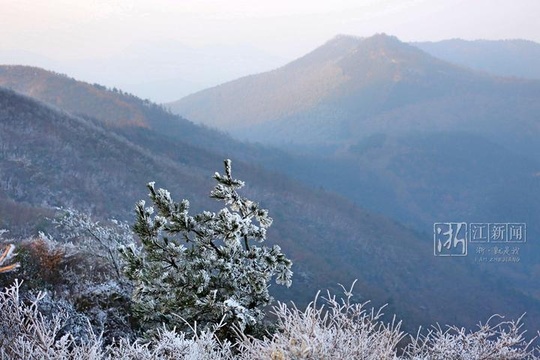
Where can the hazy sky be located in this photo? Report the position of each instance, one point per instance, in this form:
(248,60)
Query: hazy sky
(116,30)
(72,28)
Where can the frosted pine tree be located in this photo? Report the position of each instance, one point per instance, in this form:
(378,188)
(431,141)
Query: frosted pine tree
(208,268)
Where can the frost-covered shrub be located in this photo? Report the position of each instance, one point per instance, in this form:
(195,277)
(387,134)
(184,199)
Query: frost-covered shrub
(501,341)
(339,329)
(42,262)
(31,330)
(173,345)
(108,307)
(98,241)
(206,267)
(26,333)
(74,275)
(41,328)
(96,284)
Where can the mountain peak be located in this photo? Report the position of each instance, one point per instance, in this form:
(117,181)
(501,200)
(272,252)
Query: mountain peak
(342,46)
(379,39)
(384,40)
(346,78)
(358,39)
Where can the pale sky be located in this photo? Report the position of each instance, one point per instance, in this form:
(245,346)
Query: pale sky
(78,28)
(74,29)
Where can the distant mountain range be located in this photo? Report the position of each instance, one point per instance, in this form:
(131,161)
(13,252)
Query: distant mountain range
(399,132)
(67,143)
(161,71)
(351,88)
(514,58)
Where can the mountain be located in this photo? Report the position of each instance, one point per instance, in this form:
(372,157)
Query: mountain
(399,132)
(513,58)
(351,88)
(51,157)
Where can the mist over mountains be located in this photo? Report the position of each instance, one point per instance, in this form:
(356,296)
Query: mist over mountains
(160,71)
(512,58)
(372,132)
(351,88)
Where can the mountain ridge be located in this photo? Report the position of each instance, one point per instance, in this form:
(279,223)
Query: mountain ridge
(319,97)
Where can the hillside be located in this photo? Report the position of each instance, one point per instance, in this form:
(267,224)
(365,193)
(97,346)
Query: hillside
(517,58)
(51,158)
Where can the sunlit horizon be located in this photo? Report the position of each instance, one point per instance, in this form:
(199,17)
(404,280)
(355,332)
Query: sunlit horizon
(160,40)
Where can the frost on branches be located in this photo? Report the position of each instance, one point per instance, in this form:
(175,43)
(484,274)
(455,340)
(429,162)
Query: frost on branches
(203,268)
